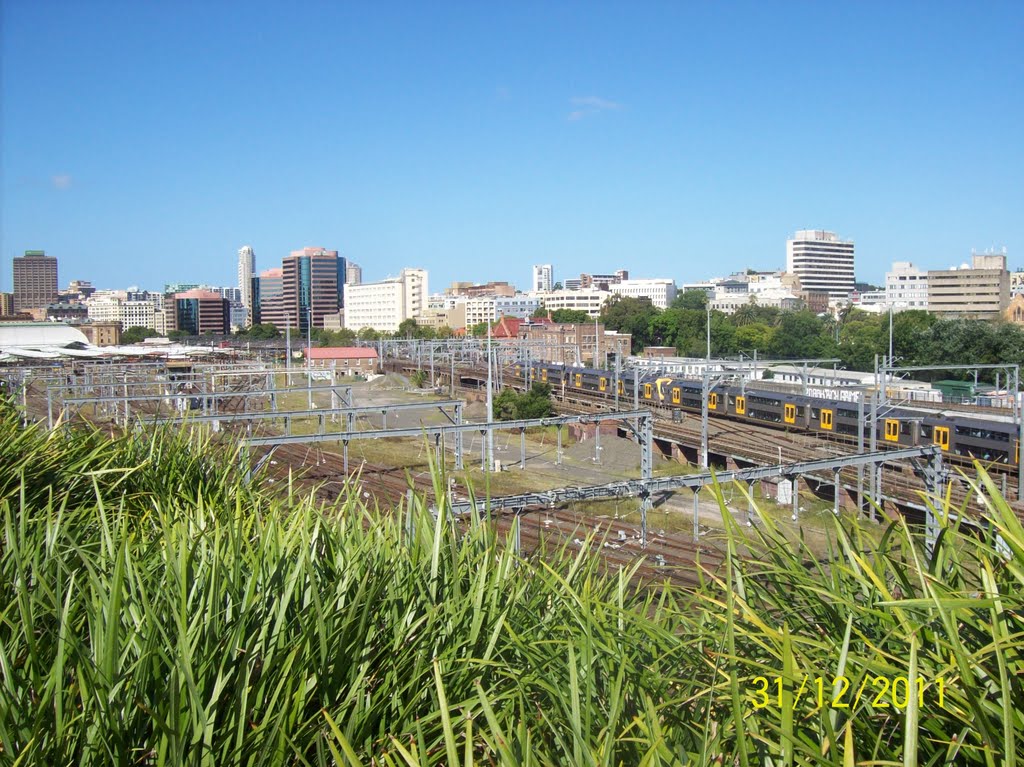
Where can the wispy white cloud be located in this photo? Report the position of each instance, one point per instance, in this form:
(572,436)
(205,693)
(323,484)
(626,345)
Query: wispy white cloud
(61,181)
(588,106)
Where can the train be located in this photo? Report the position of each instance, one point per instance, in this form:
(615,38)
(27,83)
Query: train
(992,439)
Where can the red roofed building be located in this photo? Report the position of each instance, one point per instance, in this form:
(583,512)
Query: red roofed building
(516,327)
(350,360)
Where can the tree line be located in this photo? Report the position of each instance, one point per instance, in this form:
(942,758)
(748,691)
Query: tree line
(854,338)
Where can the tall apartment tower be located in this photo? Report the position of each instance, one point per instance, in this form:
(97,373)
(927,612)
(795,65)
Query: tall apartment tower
(353,273)
(35,280)
(822,261)
(246,269)
(542,278)
(313,286)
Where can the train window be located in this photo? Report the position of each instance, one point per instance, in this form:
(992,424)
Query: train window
(602,383)
(741,405)
(789,413)
(579,379)
(676,395)
(926,431)
(648,391)
(713,400)
(892,430)
(942,437)
(826,419)
(622,387)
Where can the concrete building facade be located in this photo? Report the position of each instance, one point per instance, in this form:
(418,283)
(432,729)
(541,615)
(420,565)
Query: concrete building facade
(979,291)
(35,280)
(246,269)
(822,261)
(543,278)
(906,287)
(588,300)
(662,292)
(385,305)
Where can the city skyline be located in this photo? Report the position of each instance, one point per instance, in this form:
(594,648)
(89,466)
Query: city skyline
(679,142)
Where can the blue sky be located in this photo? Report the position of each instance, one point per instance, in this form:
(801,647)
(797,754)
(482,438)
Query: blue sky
(145,142)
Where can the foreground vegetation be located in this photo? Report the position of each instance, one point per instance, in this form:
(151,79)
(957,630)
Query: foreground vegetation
(157,609)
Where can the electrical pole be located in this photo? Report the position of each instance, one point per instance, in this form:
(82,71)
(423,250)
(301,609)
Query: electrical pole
(309,355)
(490,405)
(709,331)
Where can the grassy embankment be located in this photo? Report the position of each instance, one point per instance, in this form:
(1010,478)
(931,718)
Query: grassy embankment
(156,609)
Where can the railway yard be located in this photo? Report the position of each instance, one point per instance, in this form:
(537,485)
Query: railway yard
(382,471)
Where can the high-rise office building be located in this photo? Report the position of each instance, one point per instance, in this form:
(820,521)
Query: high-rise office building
(246,267)
(353,273)
(198,311)
(35,280)
(312,286)
(266,297)
(542,278)
(822,261)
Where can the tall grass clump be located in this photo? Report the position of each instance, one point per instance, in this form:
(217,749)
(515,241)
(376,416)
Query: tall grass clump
(944,618)
(155,608)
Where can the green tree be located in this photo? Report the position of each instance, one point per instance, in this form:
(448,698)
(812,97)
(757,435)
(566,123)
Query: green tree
(752,313)
(263,332)
(631,315)
(136,334)
(577,316)
(334,337)
(801,335)
(754,335)
(368,334)
(510,405)
(909,329)
(408,328)
(691,299)
(539,312)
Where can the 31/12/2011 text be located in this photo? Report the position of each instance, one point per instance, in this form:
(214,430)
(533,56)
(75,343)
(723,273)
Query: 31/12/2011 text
(841,693)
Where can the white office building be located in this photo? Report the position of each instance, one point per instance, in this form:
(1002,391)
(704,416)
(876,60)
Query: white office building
(385,305)
(104,306)
(246,267)
(520,305)
(661,291)
(138,314)
(543,276)
(587,300)
(906,287)
(822,261)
